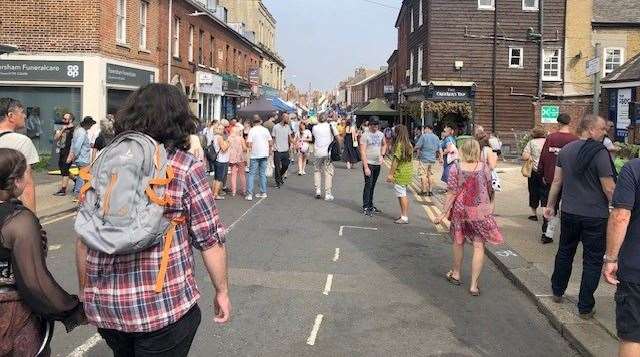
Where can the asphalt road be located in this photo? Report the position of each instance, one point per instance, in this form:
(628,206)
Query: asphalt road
(376,290)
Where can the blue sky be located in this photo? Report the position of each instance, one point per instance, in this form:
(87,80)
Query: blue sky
(322,41)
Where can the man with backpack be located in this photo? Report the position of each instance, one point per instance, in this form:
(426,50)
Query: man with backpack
(145,205)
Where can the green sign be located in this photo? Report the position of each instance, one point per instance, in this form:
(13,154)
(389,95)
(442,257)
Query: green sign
(549,113)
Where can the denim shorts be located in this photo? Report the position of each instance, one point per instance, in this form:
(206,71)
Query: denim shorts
(220,170)
(400,190)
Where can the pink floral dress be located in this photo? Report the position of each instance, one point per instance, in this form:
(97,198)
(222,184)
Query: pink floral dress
(471,215)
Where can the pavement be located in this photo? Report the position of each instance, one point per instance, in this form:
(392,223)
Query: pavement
(48,205)
(529,265)
(316,278)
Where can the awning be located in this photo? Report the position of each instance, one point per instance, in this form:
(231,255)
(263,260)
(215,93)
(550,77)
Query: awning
(282,105)
(377,107)
(262,107)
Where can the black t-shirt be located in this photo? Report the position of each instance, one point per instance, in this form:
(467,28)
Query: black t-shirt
(627,196)
(65,141)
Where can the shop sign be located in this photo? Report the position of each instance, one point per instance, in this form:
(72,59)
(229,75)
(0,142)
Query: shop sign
(448,93)
(209,83)
(49,71)
(389,89)
(622,120)
(549,114)
(593,66)
(254,76)
(128,76)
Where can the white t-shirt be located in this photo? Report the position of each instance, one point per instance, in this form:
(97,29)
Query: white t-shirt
(259,137)
(20,143)
(223,156)
(324,136)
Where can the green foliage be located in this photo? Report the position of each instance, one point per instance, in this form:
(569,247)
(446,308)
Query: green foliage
(43,165)
(627,151)
(523,142)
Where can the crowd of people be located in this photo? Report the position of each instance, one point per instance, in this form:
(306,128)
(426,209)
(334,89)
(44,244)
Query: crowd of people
(137,308)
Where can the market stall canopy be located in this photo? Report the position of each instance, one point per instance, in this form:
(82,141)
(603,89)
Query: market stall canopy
(376,107)
(262,107)
(282,105)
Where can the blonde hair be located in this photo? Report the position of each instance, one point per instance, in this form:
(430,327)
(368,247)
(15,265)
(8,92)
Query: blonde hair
(469,150)
(218,129)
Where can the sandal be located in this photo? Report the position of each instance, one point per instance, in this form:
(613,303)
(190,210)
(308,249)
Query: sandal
(453,280)
(475,293)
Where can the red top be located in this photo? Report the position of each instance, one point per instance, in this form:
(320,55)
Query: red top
(549,154)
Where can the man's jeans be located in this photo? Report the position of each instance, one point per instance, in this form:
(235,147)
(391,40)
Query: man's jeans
(257,167)
(281,165)
(370,186)
(592,233)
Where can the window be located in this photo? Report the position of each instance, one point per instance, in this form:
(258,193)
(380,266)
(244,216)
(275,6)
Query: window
(201,48)
(420,19)
(190,48)
(412,16)
(516,57)
(530,5)
(176,37)
(212,50)
(486,5)
(144,10)
(121,21)
(613,58)
(411,68)
(551,64)
(420,55)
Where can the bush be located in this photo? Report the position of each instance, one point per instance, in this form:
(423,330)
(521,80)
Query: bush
(43,165)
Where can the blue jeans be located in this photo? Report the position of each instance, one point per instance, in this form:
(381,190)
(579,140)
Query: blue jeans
(257,167)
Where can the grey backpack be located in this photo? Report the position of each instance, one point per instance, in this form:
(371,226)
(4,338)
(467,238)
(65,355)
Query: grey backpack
(123,200)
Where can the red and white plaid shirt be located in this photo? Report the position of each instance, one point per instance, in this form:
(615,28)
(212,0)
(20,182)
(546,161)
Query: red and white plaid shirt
(119,289)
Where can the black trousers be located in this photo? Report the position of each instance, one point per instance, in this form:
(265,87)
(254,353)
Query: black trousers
(281,165)
(173,340)
(536,189)
(592,233)
(370,186)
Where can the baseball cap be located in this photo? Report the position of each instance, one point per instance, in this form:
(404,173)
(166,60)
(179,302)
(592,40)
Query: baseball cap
(374,120)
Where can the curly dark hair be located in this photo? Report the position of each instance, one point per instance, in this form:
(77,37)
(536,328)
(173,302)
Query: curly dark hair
(13,165)
(160,111)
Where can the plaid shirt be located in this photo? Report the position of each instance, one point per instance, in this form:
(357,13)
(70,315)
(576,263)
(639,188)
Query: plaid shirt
(119,289)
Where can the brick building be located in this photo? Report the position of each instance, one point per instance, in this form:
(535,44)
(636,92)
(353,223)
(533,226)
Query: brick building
(95,53)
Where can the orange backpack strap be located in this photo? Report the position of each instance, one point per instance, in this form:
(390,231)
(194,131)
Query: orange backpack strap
(85,175)
(164,262)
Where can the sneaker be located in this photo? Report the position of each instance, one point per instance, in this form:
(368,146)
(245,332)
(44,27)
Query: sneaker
(368,212)
(376,210)
(249,197)
(402,220)
(318,195)
(261,195)
(546,240)
(587,315)
(304,172)
(328,197)
(299,173)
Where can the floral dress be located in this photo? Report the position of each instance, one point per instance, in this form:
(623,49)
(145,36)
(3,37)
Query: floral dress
(471,215)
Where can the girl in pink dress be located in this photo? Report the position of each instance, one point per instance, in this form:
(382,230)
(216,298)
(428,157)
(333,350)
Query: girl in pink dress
(237,160)
(468,207)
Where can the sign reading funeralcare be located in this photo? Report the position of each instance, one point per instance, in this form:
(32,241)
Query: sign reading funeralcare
(128,76)
(49,71)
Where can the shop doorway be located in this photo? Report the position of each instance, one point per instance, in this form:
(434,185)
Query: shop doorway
(116,98)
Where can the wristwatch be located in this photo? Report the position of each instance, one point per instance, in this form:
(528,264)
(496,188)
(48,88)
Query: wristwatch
(609,259)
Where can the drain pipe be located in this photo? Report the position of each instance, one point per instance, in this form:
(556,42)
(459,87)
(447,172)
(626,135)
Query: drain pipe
(541,61)
(494,69)
(169,38)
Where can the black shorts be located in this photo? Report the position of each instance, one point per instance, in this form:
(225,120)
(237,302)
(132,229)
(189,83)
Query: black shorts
(220,171)
(63,165)
(628,311)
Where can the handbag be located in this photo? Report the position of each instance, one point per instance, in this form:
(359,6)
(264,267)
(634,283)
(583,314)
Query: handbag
(527,166)
(334,148)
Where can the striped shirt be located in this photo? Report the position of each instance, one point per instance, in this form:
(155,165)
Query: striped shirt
(119,289)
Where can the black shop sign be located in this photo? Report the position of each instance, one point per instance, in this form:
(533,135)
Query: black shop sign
(45,71)
(128,76)
(448,93)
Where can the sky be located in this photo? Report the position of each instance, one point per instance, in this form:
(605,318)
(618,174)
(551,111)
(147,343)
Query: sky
(323,41)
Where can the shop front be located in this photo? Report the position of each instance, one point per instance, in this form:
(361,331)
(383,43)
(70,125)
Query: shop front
(236,95)
(209,88)
(122,81)
(48,89)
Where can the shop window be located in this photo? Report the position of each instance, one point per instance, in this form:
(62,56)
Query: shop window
(613,58)
(412,16)
(201,48)
(420,57)
(144,11)
(212,45)
(530,5)
(411,68)
(486,5)
(121,21)
(516,57)
(190,46)
(551,64)
(420,17)
(176,37)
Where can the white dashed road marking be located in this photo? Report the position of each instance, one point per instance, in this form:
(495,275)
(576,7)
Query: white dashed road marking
(355,227)
(86,346)
(336,255)
(327,285)
(314,331)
